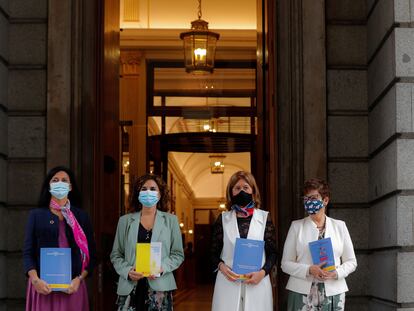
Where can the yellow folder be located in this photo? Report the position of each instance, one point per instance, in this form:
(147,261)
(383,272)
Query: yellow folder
(148,258)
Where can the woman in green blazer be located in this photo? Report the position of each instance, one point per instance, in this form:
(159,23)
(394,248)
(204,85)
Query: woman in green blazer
(147,222)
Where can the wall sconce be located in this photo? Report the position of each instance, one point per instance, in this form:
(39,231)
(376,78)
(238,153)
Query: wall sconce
(199,46)
(217,164)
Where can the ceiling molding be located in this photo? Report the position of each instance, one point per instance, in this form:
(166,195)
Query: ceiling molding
(177,172)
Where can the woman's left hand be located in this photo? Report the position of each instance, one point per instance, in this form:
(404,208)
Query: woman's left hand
(74,286)
(255,277)
(330,275)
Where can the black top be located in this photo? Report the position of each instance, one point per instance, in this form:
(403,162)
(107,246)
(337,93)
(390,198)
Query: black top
(141,291)
(243,225)
(144,235)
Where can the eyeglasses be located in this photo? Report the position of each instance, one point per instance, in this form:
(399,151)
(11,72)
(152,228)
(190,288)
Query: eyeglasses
(311,198)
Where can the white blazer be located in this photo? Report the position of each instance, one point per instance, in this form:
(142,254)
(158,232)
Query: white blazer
(297,258)
(227,294)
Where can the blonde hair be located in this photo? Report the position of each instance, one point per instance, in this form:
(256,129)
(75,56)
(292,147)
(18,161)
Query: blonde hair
(249,178)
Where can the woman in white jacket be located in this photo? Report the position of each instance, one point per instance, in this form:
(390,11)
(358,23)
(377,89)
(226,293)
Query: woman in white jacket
(310,287)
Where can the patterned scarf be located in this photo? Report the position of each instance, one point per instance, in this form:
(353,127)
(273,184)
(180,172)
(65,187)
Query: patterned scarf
(245,211)
(79,235)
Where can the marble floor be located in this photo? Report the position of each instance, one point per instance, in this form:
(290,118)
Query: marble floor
(197,299)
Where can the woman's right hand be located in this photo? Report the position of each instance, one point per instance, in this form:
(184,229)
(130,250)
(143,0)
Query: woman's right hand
(317,272)
(41,286)
(135,276)
(227,272)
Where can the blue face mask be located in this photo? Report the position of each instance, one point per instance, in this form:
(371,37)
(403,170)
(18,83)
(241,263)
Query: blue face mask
(313,206)
(148,198)
(59,189)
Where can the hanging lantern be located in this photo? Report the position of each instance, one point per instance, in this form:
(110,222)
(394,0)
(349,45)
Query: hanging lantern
(199,46)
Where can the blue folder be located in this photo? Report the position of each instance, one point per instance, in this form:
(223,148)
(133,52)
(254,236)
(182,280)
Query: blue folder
(321,251)
(56,267)
(248,256)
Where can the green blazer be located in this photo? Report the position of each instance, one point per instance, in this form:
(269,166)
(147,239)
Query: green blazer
(165,230)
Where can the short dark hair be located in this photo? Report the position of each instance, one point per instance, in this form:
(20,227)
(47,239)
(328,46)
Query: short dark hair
(249,178)
(317,184)
(73,196)
(162,204)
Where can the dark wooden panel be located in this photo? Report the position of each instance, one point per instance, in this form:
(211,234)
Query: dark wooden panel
(206,93)
(203,112)
(107,203)
(202,142)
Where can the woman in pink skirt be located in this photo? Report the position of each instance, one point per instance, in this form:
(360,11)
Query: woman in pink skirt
(58,222)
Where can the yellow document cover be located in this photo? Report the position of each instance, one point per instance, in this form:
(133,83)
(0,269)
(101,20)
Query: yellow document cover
(148,258)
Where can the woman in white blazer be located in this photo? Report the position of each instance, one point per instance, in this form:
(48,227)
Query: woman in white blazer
(244,219)
(310,287)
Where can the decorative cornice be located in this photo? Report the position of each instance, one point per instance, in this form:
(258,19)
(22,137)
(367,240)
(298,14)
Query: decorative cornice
(130,62)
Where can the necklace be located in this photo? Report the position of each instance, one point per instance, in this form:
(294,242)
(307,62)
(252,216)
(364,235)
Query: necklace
(148,233)
(321,233)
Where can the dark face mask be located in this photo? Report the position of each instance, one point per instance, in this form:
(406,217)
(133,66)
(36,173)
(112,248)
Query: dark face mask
(242,198)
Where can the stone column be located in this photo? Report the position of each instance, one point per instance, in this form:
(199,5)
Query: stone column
(59,83)
(133,108)
(4,64)
(391,148)
(26,131)
(347,119)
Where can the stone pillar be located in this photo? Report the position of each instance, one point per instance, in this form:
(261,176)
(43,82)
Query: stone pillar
(391,148)
(4,64)
(133,108)
(347,118)
(26,154)
(59,83)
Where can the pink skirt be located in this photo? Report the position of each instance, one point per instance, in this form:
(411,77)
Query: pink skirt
(57,301)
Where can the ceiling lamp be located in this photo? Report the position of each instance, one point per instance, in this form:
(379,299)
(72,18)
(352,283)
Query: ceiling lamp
(199,46)
(217,164)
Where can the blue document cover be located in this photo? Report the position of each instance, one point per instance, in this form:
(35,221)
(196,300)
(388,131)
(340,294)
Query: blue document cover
(248,255)
(321,251)
(56,267)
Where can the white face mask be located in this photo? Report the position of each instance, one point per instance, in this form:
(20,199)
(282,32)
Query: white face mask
(59,189)
(148,198)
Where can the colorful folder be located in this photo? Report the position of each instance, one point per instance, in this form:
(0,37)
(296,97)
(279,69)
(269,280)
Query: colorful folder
(322,251)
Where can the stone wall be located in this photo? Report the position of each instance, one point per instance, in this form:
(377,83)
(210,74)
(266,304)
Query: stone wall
(347,127)
(390,54)
(4,71)
(23,46)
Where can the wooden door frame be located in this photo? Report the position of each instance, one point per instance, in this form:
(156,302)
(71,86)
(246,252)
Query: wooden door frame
(267,169)
(106,150)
